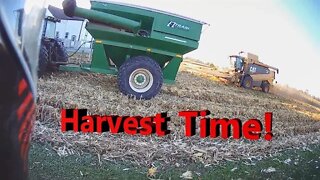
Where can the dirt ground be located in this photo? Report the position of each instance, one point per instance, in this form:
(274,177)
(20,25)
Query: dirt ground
(295,124)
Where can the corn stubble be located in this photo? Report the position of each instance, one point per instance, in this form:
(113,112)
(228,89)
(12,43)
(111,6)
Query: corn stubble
(100,95)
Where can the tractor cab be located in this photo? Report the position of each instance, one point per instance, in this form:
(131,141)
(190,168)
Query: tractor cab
(49,30)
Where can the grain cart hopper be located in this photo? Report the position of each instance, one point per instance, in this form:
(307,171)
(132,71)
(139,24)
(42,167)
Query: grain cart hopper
(143,46)
(249,72)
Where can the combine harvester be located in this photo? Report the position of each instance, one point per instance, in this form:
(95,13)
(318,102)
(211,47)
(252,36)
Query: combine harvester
(143,46)
(249,72)
(246,71)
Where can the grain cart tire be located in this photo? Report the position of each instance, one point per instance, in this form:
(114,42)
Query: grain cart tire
(60,54)
(140,77)
(43,60)
(247,82)
(265,86)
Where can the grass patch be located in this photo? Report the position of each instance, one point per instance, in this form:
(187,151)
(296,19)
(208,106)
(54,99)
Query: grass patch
(44,163)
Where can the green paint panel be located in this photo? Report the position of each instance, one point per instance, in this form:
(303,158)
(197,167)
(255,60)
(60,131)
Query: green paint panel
(171,69)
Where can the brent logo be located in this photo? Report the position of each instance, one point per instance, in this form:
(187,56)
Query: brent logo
(176,25)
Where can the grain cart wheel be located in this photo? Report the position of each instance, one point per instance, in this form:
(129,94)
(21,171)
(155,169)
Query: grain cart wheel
(140,77)
(247,82)
(43,60)
(265,86)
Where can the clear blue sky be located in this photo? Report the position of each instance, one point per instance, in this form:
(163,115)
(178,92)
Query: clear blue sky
(307,14)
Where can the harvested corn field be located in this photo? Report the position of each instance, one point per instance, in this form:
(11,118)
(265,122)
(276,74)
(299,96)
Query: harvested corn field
(295,124)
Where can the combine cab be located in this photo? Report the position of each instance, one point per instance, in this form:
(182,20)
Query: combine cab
(249,72)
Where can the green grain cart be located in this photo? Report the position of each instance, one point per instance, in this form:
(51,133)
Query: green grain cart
(143,46)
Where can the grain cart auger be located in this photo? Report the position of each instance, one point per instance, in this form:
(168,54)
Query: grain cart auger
(249,72)
(143,46)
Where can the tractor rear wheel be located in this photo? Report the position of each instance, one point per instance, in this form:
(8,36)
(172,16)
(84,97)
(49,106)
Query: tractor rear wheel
(60,54)
(247,82)
(140,77)
(265,86)
(43,60)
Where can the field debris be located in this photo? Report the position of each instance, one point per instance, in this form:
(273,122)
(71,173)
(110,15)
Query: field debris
(287,161)
(187,175)
(100,95)
(269,170)
(152,172)
(233,169)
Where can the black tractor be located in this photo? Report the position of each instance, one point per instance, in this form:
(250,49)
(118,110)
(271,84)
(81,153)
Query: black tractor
(52,51)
